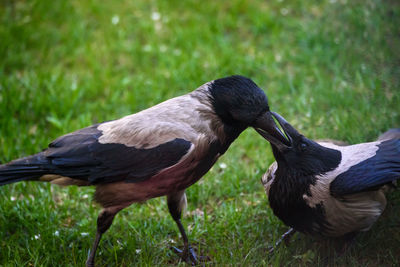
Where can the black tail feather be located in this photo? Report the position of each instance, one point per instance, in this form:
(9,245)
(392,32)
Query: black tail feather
(28,168)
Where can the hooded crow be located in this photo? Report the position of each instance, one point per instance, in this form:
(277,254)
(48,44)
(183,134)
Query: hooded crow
(159,151)
(328,190)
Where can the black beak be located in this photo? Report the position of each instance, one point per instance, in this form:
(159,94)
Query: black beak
(283,141)
(265,125)
(290,132)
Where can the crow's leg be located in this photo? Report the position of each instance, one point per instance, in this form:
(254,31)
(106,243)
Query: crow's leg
(348,241)
(176,204)
(285,237)
(341,245)
(104,221)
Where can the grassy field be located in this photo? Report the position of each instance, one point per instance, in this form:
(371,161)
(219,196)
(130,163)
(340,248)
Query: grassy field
(330,67)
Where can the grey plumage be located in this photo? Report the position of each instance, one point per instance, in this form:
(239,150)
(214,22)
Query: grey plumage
(390,134)
(330,190)
(159,151)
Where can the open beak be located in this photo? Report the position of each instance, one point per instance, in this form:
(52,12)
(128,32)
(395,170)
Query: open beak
(273,134)
(265,125)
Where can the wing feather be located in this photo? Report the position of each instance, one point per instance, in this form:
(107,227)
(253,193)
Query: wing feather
(378,170)
(80,155)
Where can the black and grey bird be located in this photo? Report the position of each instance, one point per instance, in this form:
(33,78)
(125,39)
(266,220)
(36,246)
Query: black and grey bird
(328,190)
(159,151)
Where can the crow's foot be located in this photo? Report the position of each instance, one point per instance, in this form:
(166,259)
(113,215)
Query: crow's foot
(285,237)
(89,263)
(189,256)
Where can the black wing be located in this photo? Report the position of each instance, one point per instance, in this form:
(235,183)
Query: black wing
(378,170)
(79,155)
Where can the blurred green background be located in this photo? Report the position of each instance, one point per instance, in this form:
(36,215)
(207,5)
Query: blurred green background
(332,68)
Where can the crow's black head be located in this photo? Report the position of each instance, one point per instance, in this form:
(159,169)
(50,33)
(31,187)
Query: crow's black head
(240,103)
(302,157)
(237,99)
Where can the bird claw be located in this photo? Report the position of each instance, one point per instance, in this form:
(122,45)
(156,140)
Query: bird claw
(189,256)
(284,238)
(89,264)
(89,261)
(271,249)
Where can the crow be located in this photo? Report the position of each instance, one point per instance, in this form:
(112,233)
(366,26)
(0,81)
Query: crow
(327,190)
(159,151)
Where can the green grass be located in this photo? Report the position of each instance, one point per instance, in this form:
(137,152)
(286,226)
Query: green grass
(330,67)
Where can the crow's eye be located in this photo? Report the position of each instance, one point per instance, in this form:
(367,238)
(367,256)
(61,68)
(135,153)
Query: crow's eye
(303,146)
